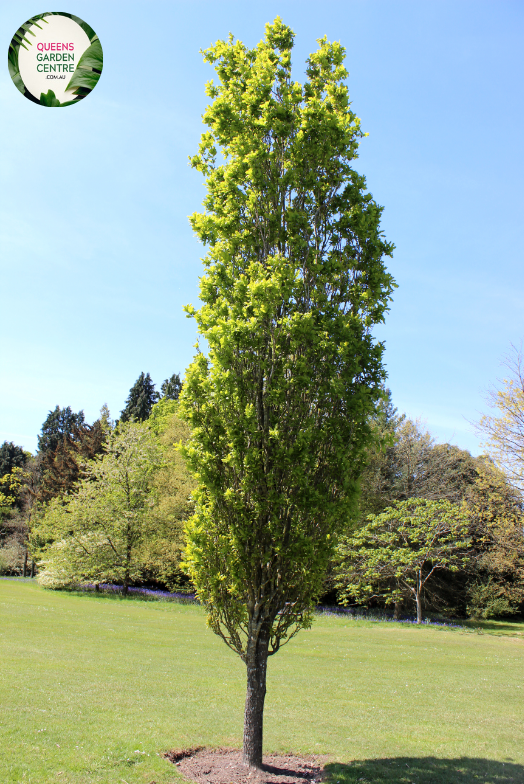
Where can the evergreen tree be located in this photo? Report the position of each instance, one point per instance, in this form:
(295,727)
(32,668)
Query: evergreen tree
(141,399)
(11,456)
(60,422)
(61,467)
(12,461)
(172,387)
(105,418)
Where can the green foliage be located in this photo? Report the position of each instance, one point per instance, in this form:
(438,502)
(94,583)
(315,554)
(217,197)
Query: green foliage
(60,468)
(172,485)
(12,460)
(97,532)
(49,99)
(294,281)
(496,524)
(505,430)
(405,462)
(11,456)
(172,387)
(105,420)
(58,423)
(124,520)
(21,39)
(397,552)
(161,415)
(279,410)
(88,70)
(488,600)
(141,399)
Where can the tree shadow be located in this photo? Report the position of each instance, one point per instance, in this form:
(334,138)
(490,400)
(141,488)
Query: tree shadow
(424,770)
(514,626)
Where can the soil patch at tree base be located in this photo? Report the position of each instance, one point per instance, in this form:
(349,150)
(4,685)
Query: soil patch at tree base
(225,766)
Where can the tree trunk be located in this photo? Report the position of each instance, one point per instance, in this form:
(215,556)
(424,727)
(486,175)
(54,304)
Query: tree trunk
(25,565)
(419,607)
(32,568)
(396,611)
(256,691)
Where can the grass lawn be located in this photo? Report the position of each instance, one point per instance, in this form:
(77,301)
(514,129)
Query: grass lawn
(93,689)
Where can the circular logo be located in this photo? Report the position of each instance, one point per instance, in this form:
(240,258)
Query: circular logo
(55,59)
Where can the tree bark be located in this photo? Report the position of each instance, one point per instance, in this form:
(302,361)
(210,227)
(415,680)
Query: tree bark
(257,654)
(419,607)
(25,565)
(396,611)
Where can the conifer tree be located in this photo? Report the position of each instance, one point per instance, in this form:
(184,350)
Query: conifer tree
(61,467)
(58,423)
(141,399)
(171,387)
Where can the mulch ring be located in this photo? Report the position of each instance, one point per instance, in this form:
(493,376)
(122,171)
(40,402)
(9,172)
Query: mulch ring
(224,766)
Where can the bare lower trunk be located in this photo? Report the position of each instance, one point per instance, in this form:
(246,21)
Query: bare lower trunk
(255,695)
(396,611)
(32,568)
(25,565)
(419,608)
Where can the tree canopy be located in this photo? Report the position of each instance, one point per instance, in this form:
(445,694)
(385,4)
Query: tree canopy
(395,554)
(505,430)
(96,533)
(141,399)
(171,387)
(58,423)
(294,282)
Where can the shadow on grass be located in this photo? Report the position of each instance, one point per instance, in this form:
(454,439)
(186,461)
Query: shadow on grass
(514,627)
(424,770)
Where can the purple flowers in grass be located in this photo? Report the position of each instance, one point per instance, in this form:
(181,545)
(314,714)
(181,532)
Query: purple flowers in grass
(153,593)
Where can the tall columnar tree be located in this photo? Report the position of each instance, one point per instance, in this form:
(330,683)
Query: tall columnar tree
(280,407)
(142,397)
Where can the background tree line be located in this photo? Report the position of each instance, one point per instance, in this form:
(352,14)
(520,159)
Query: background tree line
(34,487)
(47,509)
(472,564)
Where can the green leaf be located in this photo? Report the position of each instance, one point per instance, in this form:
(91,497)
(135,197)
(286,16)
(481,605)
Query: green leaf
(92,57)
(84,76)
(49,99)
(14,70)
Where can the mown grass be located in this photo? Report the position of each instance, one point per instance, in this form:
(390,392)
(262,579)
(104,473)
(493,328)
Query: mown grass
(94,689)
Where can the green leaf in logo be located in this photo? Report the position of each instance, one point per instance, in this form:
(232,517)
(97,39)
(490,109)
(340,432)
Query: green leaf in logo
(88,70)
(49,99)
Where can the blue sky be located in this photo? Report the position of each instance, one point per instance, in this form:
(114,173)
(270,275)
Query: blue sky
(98,258)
